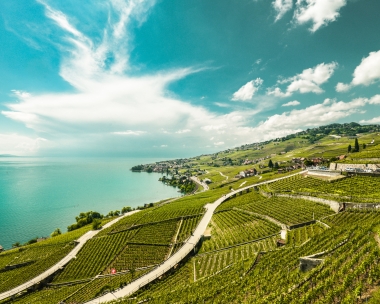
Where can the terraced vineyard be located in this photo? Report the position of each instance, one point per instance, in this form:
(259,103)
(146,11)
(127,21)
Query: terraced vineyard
(36,258)
(357,186)
(350,269)
(95,256)
(208,264)
(138,256)
(285,210)
(301,235)
(235,227)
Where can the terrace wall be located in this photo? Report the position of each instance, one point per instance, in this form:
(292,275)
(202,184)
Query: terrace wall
(335,206)
(343,167)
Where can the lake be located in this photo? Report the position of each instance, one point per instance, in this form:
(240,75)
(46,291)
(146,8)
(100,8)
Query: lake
(38,195)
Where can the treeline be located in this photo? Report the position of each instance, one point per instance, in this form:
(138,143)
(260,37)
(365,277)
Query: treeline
(184,184)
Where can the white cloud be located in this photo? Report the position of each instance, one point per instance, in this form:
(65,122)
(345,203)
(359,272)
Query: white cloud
(20,145)
(164,146)
(319,12)
(366,73)
(219,143)
(341,87)
(129,132)
(291,103)
(375,99)
(320,114)
(309,81)
(183,131)
(248,90)
(375,120)
(282,7)
(20,94)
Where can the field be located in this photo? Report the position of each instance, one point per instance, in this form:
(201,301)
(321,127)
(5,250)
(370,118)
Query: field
(357,187)
(348,271)
(36,258)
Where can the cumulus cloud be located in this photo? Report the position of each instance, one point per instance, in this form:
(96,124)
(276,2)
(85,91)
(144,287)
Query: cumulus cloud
(309,81)
(320,114)
(247,91)
(375,120)
(20,145)
(366,73)
(291,103)
(282,7)
(319,12)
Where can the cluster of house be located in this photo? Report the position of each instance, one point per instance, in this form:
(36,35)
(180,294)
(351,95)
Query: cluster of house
(246,173)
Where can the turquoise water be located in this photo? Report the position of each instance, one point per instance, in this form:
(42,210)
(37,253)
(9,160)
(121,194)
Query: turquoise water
(38,195)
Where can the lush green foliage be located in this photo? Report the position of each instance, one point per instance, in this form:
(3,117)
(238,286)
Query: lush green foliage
(37,257)
(235,227)
(349,269)
(357,186)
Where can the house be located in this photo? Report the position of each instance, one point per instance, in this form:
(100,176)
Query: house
(340,157)
(1,248)
(242,174)
(280,243)
(41,239)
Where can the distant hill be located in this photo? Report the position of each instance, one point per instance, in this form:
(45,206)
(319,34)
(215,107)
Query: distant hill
(8,155)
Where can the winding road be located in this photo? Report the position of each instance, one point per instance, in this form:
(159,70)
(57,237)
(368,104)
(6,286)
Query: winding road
(190,245)
(203,184)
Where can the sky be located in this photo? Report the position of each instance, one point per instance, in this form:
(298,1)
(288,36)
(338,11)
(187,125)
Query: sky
(181,78)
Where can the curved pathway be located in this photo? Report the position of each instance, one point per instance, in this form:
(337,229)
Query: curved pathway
(203,184)
(190,244)
(223,175)
(81,241)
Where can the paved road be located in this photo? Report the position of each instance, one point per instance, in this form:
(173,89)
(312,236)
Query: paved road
(180,254)
(203,184)
(81,241)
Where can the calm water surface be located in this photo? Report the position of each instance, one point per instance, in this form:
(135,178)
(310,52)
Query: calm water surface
(38,195)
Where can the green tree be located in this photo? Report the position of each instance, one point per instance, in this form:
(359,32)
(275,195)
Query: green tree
(364,146)
(276,166)
(349,149)
(17,244)
(270,164)
(56,232)
(96,224)
(356,145)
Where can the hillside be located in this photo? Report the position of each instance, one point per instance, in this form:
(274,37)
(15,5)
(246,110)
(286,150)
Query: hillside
(300,239)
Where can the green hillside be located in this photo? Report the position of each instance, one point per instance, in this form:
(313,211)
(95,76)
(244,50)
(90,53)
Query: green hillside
(256,241)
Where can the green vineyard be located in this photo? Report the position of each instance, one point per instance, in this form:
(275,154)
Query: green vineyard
(353,187)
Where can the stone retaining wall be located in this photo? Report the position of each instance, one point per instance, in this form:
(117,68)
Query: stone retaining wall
(323,172)
(343,167)
(335,206)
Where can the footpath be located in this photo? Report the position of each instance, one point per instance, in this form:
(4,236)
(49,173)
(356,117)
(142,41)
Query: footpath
(81,242)
(190,245)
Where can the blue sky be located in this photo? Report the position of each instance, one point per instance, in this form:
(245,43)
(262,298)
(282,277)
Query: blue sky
(179,78)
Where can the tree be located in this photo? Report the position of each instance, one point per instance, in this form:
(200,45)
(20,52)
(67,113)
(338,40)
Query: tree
(17,244)
(96,224)
(126,210)
(270,164)
(364,146)
(349,149)
(56,232)
(356,145)
(276,166)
